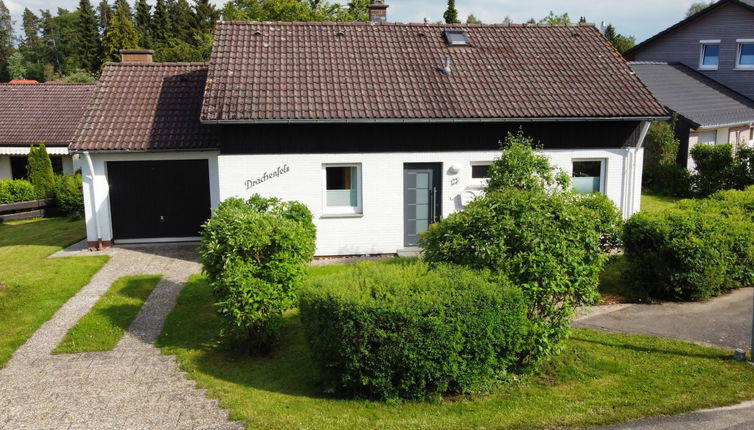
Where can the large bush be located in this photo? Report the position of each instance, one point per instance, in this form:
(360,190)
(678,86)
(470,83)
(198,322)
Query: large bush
(714,168)
(254,253)
(700,249)
(39,168)
(405,331)
(547,244)
(69,195)
(14,191)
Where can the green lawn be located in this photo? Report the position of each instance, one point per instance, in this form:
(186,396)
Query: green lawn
(33,287)
(653,203)
(103,327)
(599,379)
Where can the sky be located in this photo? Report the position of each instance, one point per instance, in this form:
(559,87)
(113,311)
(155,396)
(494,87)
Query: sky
(639,18)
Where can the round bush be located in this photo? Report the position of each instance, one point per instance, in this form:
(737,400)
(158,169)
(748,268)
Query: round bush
(254,253)
(549,245)
(69,194)
(389,331)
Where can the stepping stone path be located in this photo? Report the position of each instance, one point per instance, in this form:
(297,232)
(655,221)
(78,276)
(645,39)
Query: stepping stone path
(132,387)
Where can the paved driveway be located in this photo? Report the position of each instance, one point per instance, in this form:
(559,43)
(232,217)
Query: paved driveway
(132,387)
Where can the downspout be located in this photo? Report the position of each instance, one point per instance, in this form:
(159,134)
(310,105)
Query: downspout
(92,196)
(639,144)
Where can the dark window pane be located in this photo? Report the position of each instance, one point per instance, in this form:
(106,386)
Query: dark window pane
(339,178)
(747,55)
(711,55)
(57,165)
(584,169)
(456,37)
(18,167)
(480,171)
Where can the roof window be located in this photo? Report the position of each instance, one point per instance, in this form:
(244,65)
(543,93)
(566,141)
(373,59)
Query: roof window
(456,38)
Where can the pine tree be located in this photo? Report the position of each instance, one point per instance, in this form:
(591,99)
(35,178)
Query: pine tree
(51,43)
(39,168)
(88,45)
(161,24)
(205,16)
(123,4)
(183,20)
(104,15)
(620,42)
(6,41)
(31,42)
(143,21)
(451,15)
(121,33)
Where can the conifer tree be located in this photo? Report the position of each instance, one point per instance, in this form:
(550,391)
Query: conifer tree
(183,21)
(161,23)
(39,170)
(88,45)
(451,15)
(143,21)
(31,42)
(6,41)
(51,44)
(121,33)
(205,16)
(104,15)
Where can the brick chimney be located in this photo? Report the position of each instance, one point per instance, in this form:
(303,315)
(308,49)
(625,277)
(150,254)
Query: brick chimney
(377,11)
(136,55)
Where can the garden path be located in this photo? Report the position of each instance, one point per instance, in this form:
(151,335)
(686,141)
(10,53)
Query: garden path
(132,387)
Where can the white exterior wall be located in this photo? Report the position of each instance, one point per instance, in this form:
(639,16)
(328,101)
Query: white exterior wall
(5,172)
(70,162)
(99,226)
(380,228)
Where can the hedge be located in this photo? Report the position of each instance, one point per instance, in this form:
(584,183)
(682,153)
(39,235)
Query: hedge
(16,190)
(69,194)
(254,253)
(700,249)
(389,331)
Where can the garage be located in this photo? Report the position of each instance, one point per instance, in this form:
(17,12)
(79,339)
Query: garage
(165,199)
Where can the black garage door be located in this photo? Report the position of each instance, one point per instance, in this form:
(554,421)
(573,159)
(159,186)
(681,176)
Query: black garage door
(158,199)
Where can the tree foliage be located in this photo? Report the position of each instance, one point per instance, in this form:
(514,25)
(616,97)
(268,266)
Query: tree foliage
(698,6)
(121,33)
(39,169)
(620,42)
(6,40)
(88,45)
(553,19)
(451,14)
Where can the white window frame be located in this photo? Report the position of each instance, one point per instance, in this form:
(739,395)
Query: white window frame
(342,210)
(478,181)
(703,45)
(603,171)
(742,42)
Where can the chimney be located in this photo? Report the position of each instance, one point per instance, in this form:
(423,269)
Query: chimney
(136,55)
(377,11)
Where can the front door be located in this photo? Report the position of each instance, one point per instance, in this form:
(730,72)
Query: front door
(422,206)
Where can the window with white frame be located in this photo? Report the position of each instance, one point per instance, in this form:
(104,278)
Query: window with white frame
(480,170)
(707,137)
(745,56)
(342,183)
(710,54)
(588,176)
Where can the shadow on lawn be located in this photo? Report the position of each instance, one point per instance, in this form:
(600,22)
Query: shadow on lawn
(617,343)
(38,232)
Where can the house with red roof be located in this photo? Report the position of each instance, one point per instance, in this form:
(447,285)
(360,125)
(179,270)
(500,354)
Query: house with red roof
(32,113)
(380,128)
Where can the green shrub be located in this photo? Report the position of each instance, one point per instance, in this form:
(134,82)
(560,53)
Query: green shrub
(693,252)
(714,169)
(662,175)
(547,244)
(14,191)
(405,331)
(69,193)
(254,254)
(608,218)
(39,168)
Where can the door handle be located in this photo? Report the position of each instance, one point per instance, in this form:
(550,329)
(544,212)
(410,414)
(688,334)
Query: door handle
(434,204)
(162,218)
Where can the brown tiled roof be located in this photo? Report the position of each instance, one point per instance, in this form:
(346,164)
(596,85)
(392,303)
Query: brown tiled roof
(362,71)
(147,106)
(49,113)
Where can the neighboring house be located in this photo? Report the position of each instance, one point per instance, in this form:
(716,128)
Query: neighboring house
(34,113)
(717,41)
(379,128)
(708,112)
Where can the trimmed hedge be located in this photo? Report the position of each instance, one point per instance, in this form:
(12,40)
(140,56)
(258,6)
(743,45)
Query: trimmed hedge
(15,191)
(390,331)
(700,249)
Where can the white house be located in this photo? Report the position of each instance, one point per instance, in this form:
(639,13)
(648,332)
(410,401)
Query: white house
(379,128)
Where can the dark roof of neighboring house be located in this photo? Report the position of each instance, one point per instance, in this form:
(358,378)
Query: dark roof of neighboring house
(49,113)
(694,96)
(295,71)
(147,106)
(746,4)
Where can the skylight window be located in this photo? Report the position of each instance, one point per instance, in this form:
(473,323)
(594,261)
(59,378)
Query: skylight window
(456,38)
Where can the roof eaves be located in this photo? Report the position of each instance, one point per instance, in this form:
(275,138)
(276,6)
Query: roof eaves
(431,120)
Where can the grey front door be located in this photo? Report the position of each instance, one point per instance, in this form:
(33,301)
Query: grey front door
(422,206)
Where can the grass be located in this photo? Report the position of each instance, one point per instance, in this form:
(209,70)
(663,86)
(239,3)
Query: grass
(613,284)
(599,379)
(102,328)
(652,203)
(34,287)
